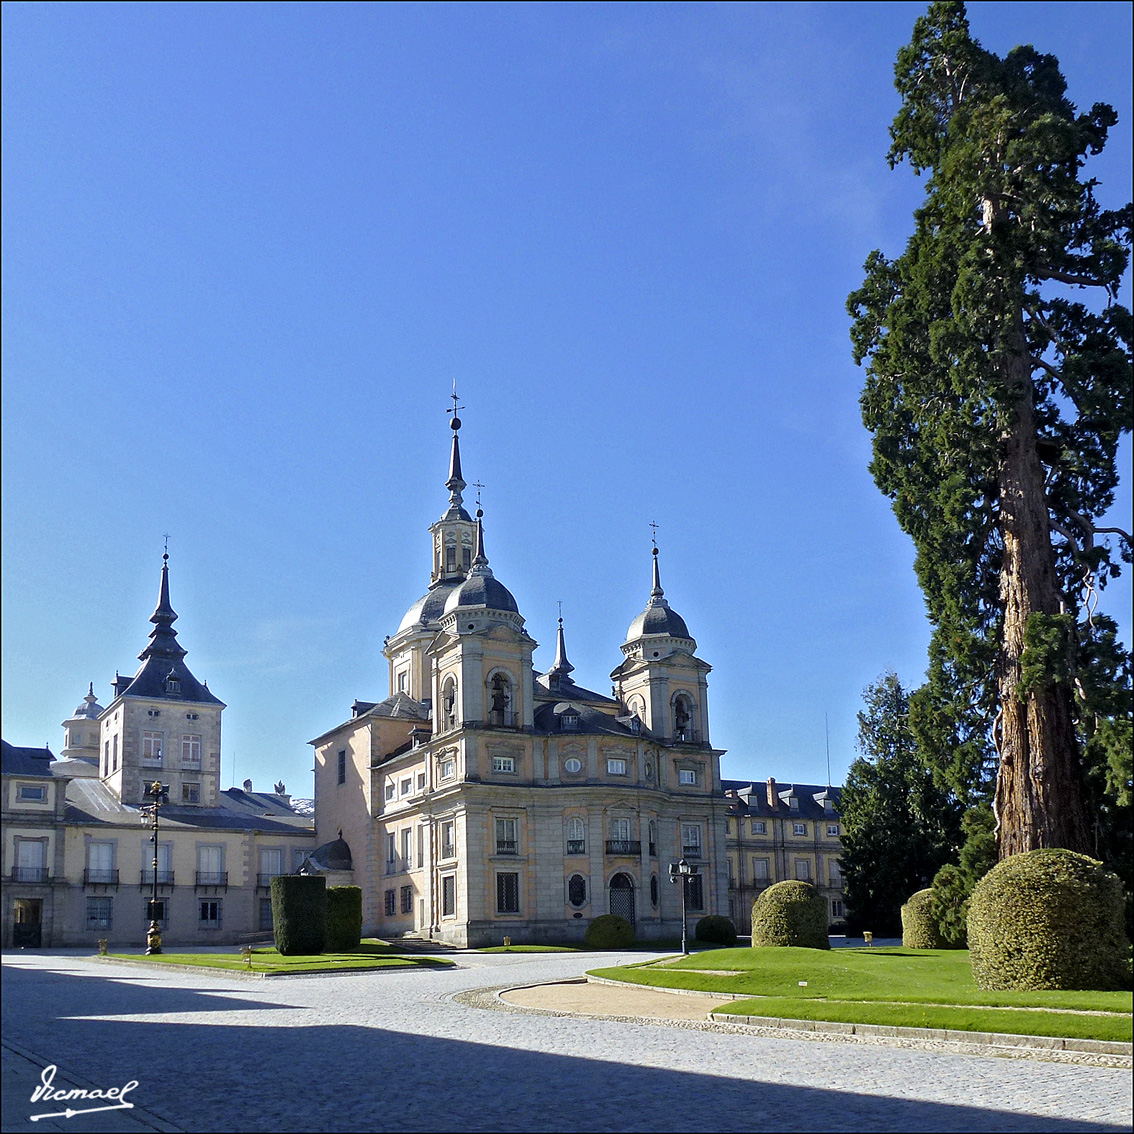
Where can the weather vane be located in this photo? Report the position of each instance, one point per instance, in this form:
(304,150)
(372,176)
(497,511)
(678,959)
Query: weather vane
(478,486)
(166,538)
(455,399)
(655,531)
(560,601)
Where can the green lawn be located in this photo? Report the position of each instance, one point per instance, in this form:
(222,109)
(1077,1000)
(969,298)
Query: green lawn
(533,949)
(903,987)
(369,955)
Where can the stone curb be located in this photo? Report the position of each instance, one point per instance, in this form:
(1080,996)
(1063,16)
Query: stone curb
(833,1027)
(243,974)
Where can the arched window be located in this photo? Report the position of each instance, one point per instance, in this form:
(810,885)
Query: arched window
(654,889)
(683,718)
(576,836)
(449,703)
(450,559)
(500,701)
(653,830)
(577,890)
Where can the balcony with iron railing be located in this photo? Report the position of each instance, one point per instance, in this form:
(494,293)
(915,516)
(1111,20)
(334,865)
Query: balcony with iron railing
(624,846)
(100,877)
(693,850)
(576,846)
(507,846)
(207,878)
(30,874)
(164,877)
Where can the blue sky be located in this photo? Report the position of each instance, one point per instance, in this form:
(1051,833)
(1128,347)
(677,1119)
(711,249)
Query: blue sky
(249,248)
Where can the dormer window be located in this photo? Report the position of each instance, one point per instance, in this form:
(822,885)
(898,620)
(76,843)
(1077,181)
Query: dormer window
(635,726)
(569,722)
(172,684)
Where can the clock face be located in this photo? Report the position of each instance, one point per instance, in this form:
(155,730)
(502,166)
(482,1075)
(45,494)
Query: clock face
(573,765)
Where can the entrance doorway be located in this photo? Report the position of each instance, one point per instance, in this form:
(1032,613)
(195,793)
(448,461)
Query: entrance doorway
(622,897)
(27,928)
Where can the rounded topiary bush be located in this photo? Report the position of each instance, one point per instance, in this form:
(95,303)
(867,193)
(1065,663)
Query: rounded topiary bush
(299,914)
(1048,919)
(609,931)
(790,913)
(344,918)
(919,922)
(715,930)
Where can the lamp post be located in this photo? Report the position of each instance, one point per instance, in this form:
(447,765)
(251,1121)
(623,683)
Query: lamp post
(158,794)
(682,871)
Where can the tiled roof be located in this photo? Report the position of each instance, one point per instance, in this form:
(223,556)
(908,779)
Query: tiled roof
(25,761)
(751,798)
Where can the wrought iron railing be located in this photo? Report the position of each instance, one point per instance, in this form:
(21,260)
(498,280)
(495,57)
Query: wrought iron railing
(29,874)
(94,877)
(212,878)
(576,846)
(164,877)
(507,846)
(624,846)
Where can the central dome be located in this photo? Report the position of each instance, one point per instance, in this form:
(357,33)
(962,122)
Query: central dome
(427,611)
(658,620)
(483,591)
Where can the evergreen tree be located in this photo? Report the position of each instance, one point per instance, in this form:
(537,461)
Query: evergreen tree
(900,828)
(998,383)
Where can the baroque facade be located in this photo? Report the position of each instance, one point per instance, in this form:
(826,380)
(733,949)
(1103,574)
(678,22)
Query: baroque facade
(483,799)
(77,853)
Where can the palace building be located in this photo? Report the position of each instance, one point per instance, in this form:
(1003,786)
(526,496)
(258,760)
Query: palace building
(483,799)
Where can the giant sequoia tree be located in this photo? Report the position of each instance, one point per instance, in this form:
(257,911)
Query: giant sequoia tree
(998,383)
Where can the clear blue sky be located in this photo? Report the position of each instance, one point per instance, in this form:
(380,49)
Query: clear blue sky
(249,248)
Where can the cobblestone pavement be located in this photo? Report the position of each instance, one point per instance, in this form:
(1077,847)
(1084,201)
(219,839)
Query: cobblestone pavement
(413,1050)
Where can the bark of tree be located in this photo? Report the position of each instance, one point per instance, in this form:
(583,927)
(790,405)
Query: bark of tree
(1038,794)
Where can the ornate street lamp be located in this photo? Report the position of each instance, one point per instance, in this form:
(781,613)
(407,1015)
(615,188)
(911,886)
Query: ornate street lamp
(682,871)
(158,795)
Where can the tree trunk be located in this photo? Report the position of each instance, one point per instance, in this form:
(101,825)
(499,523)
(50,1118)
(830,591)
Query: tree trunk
(1038,792)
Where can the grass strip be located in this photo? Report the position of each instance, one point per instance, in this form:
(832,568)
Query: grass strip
(1065,1025)
(270,961)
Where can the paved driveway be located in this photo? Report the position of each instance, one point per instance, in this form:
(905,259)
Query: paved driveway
(397,1051)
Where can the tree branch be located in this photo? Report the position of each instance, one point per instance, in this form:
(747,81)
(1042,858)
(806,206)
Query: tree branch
(1069,278)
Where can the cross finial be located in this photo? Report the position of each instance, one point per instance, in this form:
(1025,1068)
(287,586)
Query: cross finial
(456,406)
(478,486)
(560,602)
(655,531)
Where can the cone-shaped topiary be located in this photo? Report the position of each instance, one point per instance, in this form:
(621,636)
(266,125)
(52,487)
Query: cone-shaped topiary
(299,914)
(1048,919)
(716,930)
(344,918)
(609,931)
(919,923)
(790,913)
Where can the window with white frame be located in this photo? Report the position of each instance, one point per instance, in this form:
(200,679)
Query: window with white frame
(833,830)
(506,836)
(837,909)
(615,767)
(690,840)
(209,913)
(652,831)
(99,911)
(391,790)
(507,893)
(407,848)
(760,873)
(190,792)
(151,749)
(802,870)
(835,873)
(191,751)
(271,865)
(799,828)
(449,895)
(100,863)
(156,911)
(759,827)
(687,776)
(576,836)
(573,765)
(421,831)
(503,763)
(31,793)
(619,830)
(210,866)
(448,839)
(31,860)
(421,781)
(407,785)
(391,853)
(446,768)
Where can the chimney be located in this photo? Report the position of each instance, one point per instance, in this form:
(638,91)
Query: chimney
(248,785)
(772,797)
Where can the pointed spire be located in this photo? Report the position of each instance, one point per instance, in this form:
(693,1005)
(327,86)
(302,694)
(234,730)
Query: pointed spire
(456,483)
(480,560)
(657,591)
(562,666)
(163,637)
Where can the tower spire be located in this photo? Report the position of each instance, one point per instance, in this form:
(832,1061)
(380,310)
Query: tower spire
(456,483)
(163,637)
(562,666)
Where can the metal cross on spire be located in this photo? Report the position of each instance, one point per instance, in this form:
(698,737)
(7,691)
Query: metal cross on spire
(478,486)
(455,400)
(654,526)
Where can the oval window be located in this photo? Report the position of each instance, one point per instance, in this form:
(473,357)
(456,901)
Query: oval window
(577,890)
(654,889)
(649,770)
(573,765)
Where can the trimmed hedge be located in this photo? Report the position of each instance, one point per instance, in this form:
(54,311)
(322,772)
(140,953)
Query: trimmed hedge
(716,930)
(344,918)
(1048,919)
(299,914)
(790,913)
(609,931)
(919,922)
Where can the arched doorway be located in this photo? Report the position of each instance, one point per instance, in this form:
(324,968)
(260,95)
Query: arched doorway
(622,897)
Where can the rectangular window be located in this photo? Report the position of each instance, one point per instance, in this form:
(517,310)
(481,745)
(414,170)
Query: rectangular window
(836,874)
(32,793)
(799,828)
(447,768)
(696,895)
(407,899)
(271,865)
(687,776)
(210,866)
(448,845)
(760,871)
(114,754)
(98,913)
(391,853)
(802,870)
(421,781)
(420,847)
(620,830)
(391,790)
(690,840)
(151,749)
(156,911)
(100,864)
(449,896)
(759,827)
(209,914)
(407,785)
(342,765)
(506,841)
(31,860)
(833,830)
(265,914)
(390,903)
(508,893)
(190,793)
(407,848)
(836,908)
(190,751)
(403,681)
(503,763)
(616,767)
